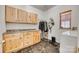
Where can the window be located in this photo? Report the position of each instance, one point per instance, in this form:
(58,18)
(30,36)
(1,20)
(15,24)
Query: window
(65,20)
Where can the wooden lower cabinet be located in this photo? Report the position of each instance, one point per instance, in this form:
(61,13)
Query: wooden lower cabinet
(36,37)
(7,46)
(19,40)
(13,42)
(28,39)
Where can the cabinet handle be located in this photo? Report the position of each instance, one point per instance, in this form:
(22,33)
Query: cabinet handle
(3,41)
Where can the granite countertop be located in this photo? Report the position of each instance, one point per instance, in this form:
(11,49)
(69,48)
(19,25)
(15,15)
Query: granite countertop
(71,33)
(20,30)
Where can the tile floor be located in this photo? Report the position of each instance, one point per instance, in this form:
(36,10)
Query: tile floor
(42,47)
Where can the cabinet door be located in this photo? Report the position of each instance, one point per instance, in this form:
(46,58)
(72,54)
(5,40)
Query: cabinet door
(36,37)
(7,46)
(13,42)
(29,18)
(8,42)
(10,14)
(28,39)
(22,16)
(25,16)
(20,40)
(17,42)
(34,18)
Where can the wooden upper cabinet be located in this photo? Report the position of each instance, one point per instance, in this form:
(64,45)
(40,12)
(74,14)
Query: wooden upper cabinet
(22,16)
(10,14)
(29,18)
(19,16)
(34,18)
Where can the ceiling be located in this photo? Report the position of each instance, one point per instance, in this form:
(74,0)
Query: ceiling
(43,7)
